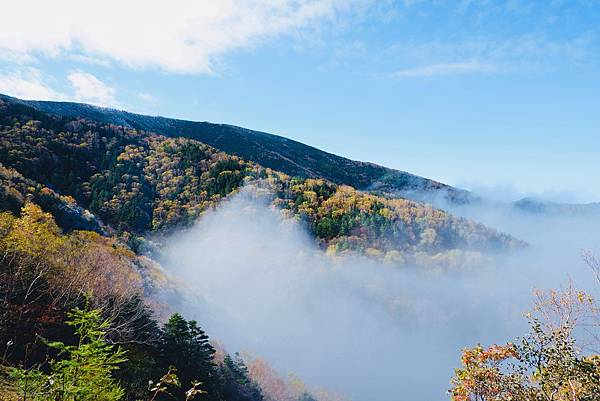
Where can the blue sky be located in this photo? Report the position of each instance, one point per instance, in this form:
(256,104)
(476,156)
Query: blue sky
(498,96)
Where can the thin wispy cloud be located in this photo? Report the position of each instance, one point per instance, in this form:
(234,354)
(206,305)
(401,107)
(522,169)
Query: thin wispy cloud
(147,97)
(444,69)
(486,56)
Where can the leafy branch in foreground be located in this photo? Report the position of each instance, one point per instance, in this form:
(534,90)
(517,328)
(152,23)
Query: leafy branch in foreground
(543,366)
(84,373)
(170,379)
(547,364)
(162,386)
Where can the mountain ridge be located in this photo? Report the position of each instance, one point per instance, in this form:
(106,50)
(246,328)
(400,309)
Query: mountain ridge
(139,182)
(540,206)
(273,151)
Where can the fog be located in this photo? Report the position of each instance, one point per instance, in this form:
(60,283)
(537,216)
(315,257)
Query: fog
(258,283)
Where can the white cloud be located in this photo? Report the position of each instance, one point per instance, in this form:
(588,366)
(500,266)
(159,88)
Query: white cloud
(178,35)
(28,83)
(89,89)
(31,83)
(444,69)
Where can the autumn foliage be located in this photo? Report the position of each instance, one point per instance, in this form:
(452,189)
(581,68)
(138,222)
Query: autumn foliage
(137,183)
(548,364)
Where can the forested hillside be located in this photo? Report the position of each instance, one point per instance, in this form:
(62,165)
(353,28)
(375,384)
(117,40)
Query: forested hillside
(272,151)
(79,315)
(138,182)
(77,323)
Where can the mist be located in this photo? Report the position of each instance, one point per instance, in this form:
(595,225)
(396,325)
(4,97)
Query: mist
(258,283)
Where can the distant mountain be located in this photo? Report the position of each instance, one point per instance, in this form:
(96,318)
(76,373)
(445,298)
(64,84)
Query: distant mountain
(540,206)
(272,151)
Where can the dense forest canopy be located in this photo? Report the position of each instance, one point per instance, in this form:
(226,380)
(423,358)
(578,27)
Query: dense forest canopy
(278,153)
(138,182)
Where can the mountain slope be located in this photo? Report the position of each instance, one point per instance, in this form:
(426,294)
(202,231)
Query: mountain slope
(139,182)
(272,151)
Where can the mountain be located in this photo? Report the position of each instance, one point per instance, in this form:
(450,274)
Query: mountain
(272,151)
(82,315)
(136,183)
(79,195)
(540,206)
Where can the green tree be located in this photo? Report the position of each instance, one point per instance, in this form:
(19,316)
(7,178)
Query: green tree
(236,382)
(306,396)
(186,346)
(84,371)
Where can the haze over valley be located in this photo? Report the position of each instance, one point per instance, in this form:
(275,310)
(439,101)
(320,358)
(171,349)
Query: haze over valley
(315,276)
(307,200)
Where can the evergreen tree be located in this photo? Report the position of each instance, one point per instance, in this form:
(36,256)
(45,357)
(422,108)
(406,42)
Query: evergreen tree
(186,346)
(236,383)
(306,396)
